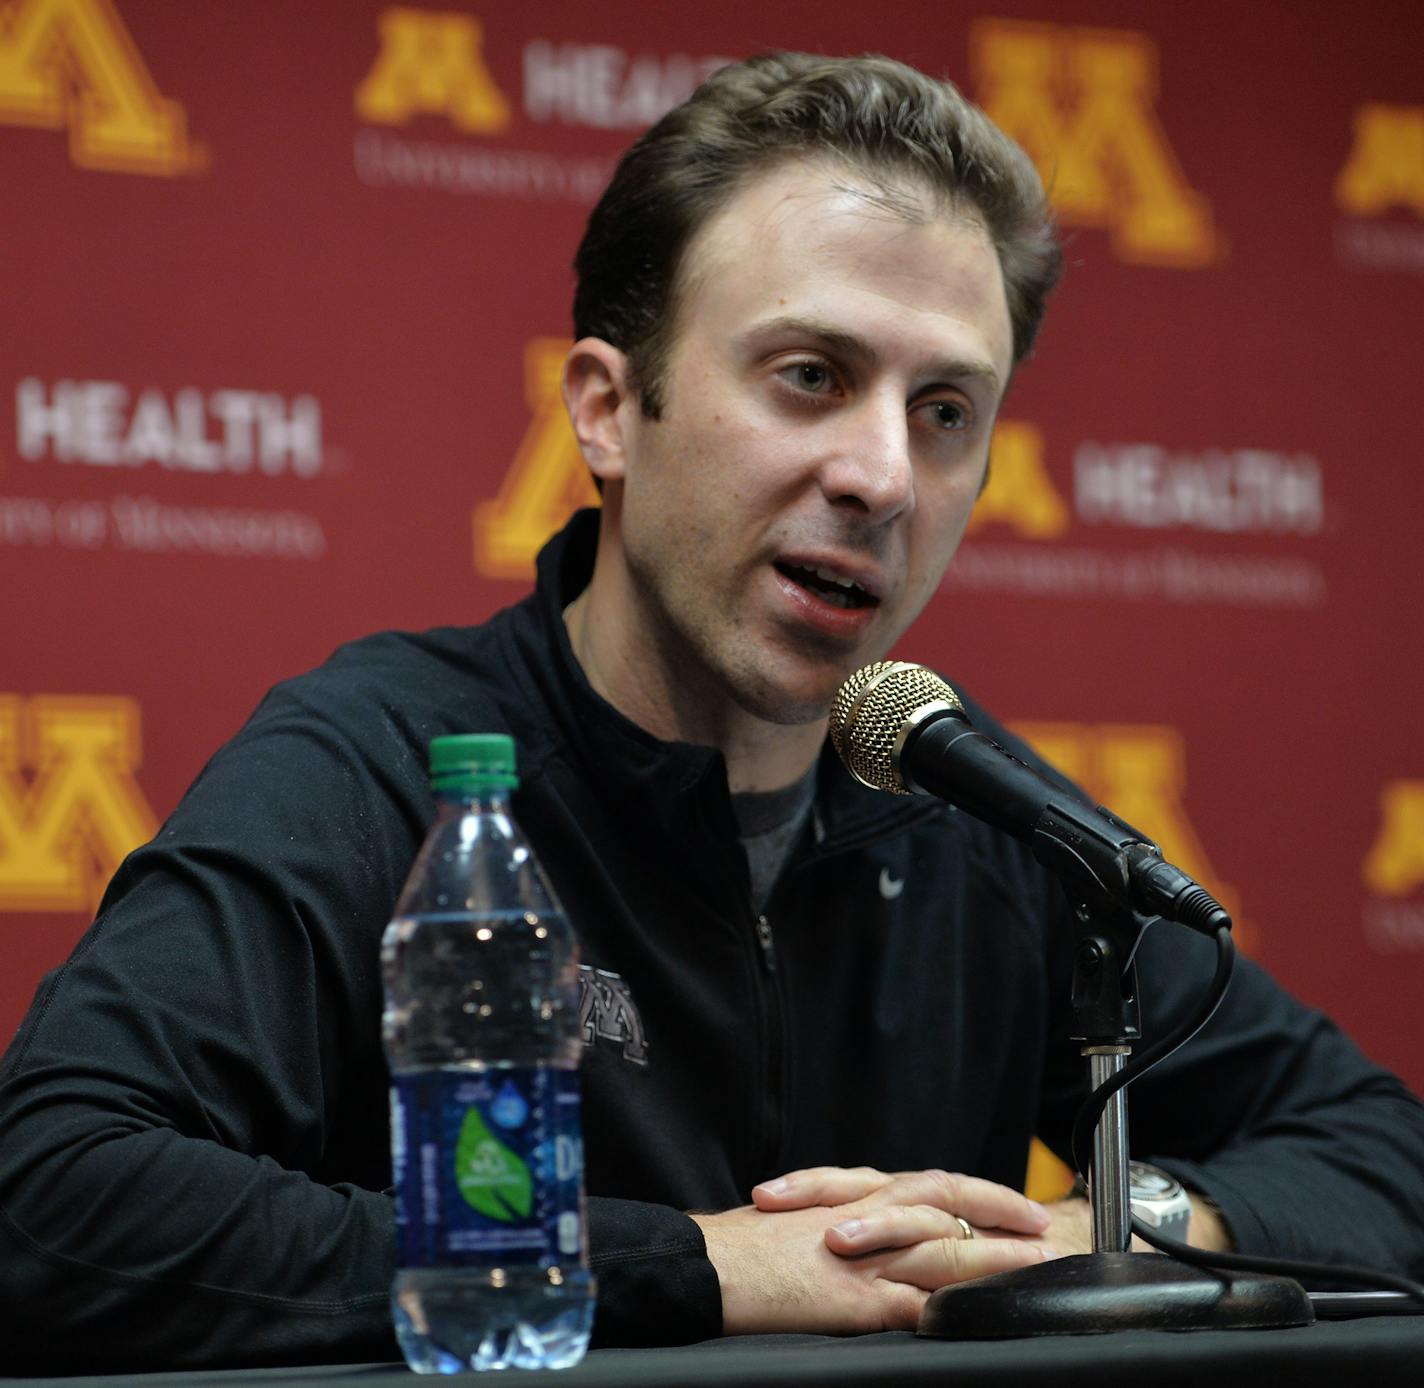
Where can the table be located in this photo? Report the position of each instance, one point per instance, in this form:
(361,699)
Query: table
(1368,1352)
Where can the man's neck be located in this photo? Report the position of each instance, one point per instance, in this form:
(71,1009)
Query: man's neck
(760,756)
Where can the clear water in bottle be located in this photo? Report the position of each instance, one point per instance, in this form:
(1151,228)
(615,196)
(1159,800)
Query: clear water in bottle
(481,1031)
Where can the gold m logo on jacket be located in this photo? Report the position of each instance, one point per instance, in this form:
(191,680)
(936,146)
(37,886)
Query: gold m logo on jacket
(70,809)
(72,63)
(607,1010)
(1082,103)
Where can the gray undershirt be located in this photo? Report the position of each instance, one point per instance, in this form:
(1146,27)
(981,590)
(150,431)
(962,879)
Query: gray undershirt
(768,823)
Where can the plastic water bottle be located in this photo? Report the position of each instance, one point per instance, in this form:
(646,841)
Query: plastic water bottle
(481,1031)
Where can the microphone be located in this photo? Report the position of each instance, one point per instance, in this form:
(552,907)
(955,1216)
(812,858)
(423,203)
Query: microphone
(899,727)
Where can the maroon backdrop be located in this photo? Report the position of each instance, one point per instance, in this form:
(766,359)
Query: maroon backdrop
(282,291)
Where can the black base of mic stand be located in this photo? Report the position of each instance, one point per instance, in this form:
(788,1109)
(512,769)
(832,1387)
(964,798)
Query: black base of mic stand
(1110,1289)
(1097,1293)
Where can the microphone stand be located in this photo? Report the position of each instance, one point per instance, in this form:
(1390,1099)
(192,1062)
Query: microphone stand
(1110,1288)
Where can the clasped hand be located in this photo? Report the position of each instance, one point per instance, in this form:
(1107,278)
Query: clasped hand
(844,1251)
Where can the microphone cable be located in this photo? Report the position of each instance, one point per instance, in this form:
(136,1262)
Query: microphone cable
(1090,1114)
(1091,1110)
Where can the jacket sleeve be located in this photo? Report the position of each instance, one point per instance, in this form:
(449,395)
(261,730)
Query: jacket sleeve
(656,1284)
(193,1117)
(1307,1148)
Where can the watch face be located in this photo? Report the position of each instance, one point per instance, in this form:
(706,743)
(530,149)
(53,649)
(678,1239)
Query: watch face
(1152,1183)
(1160,1200)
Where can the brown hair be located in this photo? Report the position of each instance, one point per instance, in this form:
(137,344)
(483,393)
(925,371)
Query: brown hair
(882,118)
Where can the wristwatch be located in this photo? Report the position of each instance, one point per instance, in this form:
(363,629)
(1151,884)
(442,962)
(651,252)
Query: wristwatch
(1159,1200)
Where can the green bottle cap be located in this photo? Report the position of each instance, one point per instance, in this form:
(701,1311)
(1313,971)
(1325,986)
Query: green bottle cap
(473,761)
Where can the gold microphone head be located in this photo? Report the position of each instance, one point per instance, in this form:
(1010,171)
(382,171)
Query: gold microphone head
(872,711)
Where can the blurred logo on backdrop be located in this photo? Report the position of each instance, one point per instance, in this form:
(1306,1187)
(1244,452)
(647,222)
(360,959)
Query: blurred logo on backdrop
(73,65)
(70,808)
(1033,535)
(1393,871)
(1082,102)
(1140,769)
(1135,519)
(1380,188)
(432,65)
(98,427)
(546,481)
(437,67)
(105,424)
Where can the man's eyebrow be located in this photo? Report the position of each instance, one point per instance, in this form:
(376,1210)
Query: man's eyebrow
(848,345)
(843,343)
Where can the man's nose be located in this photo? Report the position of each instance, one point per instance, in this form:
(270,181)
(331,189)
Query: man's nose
(872,470)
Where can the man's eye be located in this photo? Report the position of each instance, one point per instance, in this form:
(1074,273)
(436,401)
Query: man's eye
(948,415)
(811,376)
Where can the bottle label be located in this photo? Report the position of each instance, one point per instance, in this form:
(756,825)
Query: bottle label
(488,1166)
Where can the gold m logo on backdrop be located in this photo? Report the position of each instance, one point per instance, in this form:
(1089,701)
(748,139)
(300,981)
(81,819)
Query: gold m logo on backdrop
(1385,168)
(1140,769)
(1082,103)
(1395,863)
(1020,493)
(547,480)
(432,64)
(70,808)
(72,63)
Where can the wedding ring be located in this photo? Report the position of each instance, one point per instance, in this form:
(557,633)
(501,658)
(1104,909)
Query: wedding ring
(966,1226)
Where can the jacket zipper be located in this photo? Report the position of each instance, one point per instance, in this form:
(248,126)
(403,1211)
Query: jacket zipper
(768,945)
(773,1119)
(773,1114)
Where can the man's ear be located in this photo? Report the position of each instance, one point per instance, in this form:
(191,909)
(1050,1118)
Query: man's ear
(596,395)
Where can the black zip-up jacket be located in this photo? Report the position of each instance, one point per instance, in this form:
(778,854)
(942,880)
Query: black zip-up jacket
(193,1122)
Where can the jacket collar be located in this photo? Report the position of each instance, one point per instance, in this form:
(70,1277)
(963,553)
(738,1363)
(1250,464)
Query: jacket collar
(666,778)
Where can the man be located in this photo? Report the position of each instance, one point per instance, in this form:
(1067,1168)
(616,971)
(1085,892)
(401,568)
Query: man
(800,304)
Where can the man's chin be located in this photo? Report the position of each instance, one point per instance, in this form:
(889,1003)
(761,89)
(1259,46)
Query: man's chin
(792,702)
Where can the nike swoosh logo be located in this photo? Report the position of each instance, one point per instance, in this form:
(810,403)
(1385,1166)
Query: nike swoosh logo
(890,887)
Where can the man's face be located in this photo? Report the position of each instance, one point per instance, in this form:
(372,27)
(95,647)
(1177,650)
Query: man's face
(828,406)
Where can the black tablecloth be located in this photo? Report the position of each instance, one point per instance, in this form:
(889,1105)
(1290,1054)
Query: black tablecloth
(1383,1350)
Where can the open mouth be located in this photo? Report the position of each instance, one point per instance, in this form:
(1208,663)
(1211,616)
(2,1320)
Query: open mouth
(839,592)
